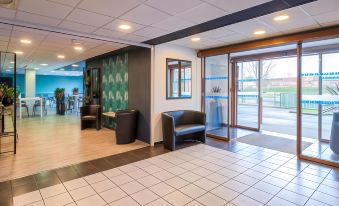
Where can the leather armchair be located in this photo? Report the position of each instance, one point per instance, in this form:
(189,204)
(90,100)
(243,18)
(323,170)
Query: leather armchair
(90,115)
(183,123)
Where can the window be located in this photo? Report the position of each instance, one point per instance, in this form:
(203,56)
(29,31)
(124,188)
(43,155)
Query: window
(179,79)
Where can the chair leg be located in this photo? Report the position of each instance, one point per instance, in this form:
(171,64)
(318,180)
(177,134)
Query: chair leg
(27,111)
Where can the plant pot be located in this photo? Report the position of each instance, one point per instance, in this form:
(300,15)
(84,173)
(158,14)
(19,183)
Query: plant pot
(60,108)
(7,101)
(75,93)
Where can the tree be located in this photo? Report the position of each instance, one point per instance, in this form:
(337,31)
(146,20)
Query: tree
(267,68)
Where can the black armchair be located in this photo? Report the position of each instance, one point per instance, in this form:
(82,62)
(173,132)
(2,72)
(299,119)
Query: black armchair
(183,123)
(90,115)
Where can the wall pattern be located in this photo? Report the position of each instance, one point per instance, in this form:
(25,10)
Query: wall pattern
(114,85)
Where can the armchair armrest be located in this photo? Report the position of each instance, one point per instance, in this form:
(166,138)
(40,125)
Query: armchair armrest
(200,118)
(168,126)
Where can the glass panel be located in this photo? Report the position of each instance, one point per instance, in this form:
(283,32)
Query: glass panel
(173,79)
(179,79)
(216,95)
(279,85)
(186,79)
(248,94)
(320,99)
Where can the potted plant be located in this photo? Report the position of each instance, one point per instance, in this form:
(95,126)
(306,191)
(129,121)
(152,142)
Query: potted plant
(75,91)
(87,80)
(215,113)
(7,95)
(59,94)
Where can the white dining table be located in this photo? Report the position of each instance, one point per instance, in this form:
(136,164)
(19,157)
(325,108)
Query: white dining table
(30,99)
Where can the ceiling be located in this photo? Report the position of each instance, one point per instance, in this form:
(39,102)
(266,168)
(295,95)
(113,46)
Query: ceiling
(321,13)
(41,54)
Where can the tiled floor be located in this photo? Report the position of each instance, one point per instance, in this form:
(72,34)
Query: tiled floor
(322,151)
(242,175)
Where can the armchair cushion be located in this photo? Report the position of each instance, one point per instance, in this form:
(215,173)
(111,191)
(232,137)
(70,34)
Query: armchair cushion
(188,129)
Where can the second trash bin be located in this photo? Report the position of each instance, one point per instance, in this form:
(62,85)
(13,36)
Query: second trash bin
(126,126)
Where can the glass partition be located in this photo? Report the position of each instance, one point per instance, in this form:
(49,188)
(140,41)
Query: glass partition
(216,95)
(320,100)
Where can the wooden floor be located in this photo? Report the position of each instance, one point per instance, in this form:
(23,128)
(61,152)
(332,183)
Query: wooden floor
(56,141)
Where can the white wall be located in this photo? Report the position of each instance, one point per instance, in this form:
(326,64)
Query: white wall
(159,103)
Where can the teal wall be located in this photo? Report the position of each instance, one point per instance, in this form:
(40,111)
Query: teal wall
(48,83)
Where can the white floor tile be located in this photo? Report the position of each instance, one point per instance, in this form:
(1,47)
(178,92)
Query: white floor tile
(228,173)
(132,187)
(128,168)
(305,183)
(177,198)
(177,182)
(142,163)
(237,168)
(103,185)
(192,191)
(159,202)
(206,184)
(246,179)
(121,179)
(258,195)
(149,181)
(52,190)
(144,196)
(331,183)
(190,176)
(162,189)
(90,201)
(163,175)
(201,171)
(210,199)
(292,197)
(75,184)
(58,200)
(137,174)
(188,166)
(243,200)
(266,187)
(82,192)
(97,177)
(112,172)
(282,176)
(236,186)
(27,198)
(325,198)
(124,202)
(328,190)
(112,194)
(176,170)
(254,174)
(212,167)
(152,169)
(312,202)
(39,203)
(275,181)
(276,201)
(299,189)
(217,178)
(194,203)
(225,193)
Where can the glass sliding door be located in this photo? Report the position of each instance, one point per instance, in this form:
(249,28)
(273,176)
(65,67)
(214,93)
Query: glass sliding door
(216,95)
(320,100)
(247,94)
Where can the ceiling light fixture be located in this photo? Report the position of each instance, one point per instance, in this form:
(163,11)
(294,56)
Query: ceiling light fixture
(36,68)
(281,17)
(61,56)
(75,65)
(52,71)
(25,41)
(78,48)
(8,70)
(259,32)
(125,27)
(195,39)
(62,69)
(44,64)
(19,52)
(11,62)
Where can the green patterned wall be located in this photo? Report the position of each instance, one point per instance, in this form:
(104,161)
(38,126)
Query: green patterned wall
(114,85)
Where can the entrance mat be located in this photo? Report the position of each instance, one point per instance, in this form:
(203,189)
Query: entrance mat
(272,142)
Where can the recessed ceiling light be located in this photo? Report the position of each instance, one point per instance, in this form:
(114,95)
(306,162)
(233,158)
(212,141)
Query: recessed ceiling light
(19,52)
(52,71)
(75,65)
(61,56)
(36,68)
(44,64)
(195,39)
(259,32)
(62,69)
(125,27)
(78,48)
(11,62)
(281,17)
(25,41)
(8,70)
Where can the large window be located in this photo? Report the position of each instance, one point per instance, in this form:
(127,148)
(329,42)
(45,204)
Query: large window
(179,79)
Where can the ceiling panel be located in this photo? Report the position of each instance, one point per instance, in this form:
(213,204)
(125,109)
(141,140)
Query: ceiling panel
(7,13)
(298,20)
(151,32)
(93,19)
(328,19)
(321,7)
(173,6)
(202,13)
(248,28)
(113,8)
(45,8)
(138,15)
(235,5)
(37,19)
(77,27)
(173,24)
(108,33)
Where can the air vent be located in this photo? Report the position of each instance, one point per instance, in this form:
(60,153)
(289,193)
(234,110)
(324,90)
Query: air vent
(10,4)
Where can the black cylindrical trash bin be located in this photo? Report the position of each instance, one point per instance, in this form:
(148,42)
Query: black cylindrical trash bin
(126,126)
